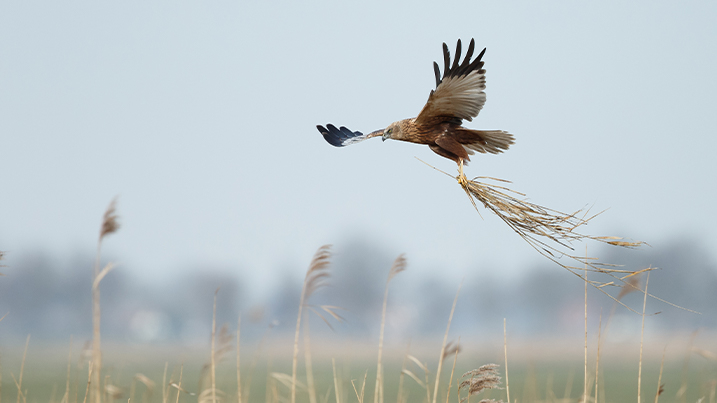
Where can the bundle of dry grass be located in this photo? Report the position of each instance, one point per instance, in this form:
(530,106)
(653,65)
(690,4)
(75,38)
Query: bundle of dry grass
(536,224)
(550,232)
(532,221)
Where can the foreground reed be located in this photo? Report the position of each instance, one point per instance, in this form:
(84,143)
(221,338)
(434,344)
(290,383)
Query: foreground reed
(481,381)
(110,225)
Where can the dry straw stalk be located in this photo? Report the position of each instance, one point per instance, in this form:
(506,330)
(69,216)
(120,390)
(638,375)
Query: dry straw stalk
(315,278)
(110,225)
(550,232)
(443,346)
(398,266)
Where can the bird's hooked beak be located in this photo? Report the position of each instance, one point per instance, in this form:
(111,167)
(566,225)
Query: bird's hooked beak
(385,136)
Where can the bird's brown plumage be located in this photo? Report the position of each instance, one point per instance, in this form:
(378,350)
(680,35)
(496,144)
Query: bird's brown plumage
(458,96)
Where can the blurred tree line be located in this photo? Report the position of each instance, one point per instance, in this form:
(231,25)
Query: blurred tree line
(50,298)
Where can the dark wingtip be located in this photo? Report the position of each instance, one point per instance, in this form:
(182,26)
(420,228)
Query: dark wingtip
(457,56)
(457,69)
(437,71)
(330,134)
(337,136)
(446,60)
(469,54)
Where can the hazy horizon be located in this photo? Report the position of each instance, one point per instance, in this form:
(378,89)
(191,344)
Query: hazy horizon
(201,117)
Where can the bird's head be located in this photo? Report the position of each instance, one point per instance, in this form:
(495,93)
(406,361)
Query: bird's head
(392,131)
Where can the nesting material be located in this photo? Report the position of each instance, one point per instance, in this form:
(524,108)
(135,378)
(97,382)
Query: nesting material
(549,231)
(552,233)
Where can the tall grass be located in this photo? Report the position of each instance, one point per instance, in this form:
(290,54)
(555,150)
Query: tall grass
(443,346)
(642,339)
(477,383)
(315,278)
(110,225)
(398,266)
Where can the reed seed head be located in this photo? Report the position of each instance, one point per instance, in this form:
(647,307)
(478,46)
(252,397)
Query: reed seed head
(475,381)
(631,285)
(398,266)
(451,349)
(318,271)
(225,341)
(110,224)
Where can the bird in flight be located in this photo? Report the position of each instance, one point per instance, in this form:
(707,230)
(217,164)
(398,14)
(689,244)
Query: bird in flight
(458,96)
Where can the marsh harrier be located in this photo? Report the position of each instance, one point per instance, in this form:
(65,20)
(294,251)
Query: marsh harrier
(458,96)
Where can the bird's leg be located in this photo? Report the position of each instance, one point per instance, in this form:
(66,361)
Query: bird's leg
(461,176)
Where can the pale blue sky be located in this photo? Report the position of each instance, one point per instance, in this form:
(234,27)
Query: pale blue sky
(201,116)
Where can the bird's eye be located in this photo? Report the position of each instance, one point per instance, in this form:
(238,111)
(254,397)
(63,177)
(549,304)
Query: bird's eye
(389,131)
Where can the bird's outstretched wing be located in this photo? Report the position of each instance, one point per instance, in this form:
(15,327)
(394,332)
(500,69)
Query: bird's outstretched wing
(459,93)
(342,136)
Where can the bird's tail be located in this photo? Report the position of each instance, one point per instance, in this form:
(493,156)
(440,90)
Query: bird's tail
(484,141)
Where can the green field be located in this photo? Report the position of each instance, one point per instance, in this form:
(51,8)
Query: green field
(45,375)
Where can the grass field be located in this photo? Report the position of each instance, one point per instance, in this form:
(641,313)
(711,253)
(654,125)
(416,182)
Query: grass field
(282,368)
(532,380)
